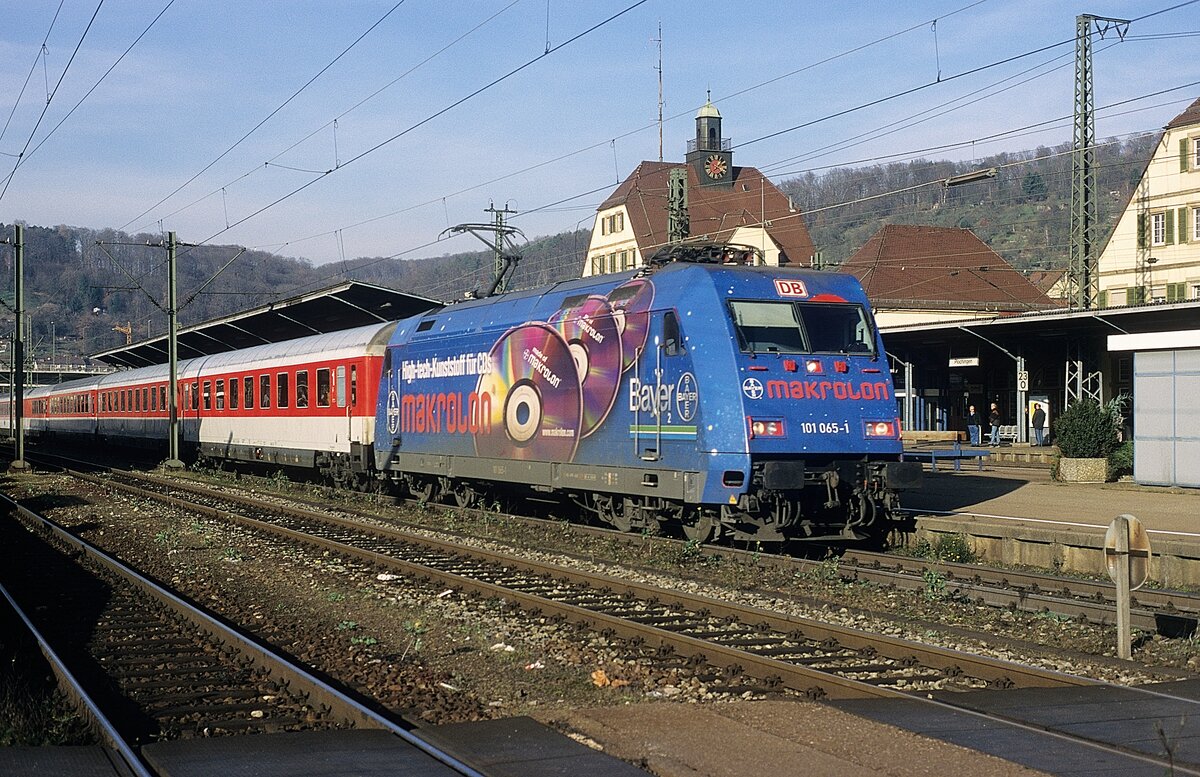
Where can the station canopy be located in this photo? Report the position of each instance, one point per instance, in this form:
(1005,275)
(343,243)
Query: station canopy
(333,309)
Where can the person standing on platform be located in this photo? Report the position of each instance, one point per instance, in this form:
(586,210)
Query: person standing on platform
(974,425)
(1039,420)
(994,420)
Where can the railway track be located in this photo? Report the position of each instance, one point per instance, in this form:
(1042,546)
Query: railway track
(144,665)
(763,650)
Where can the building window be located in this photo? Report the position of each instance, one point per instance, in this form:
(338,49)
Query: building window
(1158,229)
(598,264)
(1196,224)
(611,224)
(1196,153)
(1196,291)
(1158,293)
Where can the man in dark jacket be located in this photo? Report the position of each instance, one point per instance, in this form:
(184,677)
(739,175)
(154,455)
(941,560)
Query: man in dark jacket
(974,425)
(994,420)
(1039,420)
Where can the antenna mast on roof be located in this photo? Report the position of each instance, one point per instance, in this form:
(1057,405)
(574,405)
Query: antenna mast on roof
(658,40)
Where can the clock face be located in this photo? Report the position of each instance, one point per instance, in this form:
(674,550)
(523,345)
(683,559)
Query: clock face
(715,166)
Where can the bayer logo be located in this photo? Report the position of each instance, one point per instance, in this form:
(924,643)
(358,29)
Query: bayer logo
(752,388)
(393,412)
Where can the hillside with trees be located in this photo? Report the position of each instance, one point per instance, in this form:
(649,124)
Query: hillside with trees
(81,282)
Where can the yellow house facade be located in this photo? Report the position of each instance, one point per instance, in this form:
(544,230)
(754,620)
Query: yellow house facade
(1154,252)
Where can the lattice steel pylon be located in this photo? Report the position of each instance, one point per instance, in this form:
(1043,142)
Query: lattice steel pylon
(1083,277)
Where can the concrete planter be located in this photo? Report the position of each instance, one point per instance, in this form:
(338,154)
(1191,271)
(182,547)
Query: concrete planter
(1082,470)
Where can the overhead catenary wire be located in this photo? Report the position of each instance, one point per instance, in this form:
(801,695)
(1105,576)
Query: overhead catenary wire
(49,98)
(32,69)
(272,114)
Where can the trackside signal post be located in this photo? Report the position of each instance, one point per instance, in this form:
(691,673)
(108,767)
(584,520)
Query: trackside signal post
(1127,556)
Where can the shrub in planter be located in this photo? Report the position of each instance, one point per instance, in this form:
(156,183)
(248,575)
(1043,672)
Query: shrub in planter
(1087,433)
(1089,430)
(1120,461)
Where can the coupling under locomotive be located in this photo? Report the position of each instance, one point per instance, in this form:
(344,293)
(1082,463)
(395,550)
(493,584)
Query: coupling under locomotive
(752,403)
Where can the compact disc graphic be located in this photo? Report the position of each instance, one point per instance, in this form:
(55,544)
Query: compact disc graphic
(530,403)
(631,310)
(595,344)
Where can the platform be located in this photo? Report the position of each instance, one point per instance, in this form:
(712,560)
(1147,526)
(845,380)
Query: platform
(1022,516)
(1130,722)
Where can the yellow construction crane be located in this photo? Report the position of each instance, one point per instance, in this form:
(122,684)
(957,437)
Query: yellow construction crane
(126,330)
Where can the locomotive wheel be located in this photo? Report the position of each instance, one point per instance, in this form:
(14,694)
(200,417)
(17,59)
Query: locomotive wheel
(610,509)
(465,496)
(423,490)
(700,528)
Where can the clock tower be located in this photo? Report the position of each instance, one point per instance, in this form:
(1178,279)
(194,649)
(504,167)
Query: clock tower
(709,153)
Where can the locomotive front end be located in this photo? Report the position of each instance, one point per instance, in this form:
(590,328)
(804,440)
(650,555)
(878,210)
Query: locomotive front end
(820,415)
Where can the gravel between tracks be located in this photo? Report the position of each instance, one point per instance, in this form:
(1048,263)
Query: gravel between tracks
(443,658)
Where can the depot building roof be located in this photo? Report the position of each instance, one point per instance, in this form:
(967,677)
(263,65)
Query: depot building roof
(344,306)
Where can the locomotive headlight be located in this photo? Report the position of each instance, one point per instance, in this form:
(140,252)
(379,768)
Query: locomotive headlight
(813,367)
(881,429)
(764,427)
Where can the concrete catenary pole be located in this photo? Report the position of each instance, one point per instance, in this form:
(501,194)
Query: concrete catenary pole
(173,461)
(18,350)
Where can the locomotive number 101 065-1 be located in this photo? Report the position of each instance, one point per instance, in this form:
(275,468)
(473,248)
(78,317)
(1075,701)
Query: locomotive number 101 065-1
(825,427)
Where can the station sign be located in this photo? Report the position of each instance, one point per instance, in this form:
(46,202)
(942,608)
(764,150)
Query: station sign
(964,361)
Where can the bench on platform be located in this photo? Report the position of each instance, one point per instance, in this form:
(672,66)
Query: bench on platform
(955,454)
(1008,432)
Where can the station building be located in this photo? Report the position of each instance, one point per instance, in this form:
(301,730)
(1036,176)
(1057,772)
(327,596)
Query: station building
(705,197)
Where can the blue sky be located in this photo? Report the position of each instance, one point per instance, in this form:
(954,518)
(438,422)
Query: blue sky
(549,141)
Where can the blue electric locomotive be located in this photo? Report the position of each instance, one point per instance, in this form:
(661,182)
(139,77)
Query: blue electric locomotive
(748,402)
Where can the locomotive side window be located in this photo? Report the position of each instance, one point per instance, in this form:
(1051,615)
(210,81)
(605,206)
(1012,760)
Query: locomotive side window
(323,387)
(837,328)
(767,327)
(281,390)
(248,392)
(341,386)
(302,388)
(264,391)
(672,339)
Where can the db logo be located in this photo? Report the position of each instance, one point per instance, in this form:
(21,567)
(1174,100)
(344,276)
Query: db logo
(790,288)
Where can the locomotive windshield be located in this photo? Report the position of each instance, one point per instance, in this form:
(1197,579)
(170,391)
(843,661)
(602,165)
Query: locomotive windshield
(801,327)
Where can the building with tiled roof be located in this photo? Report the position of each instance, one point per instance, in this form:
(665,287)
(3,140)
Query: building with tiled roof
(916,274)
(1153,254)
(712,201)
(1053,283)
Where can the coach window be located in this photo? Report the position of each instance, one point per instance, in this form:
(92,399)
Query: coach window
(281,389)
(302,388)
(145,399)
(341,386)
(264,391)
(121,397)
(221,394)
(195,395)
(323,387)
(248,392)
(233,394)
(208,395)
(162,397)
(353,385)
